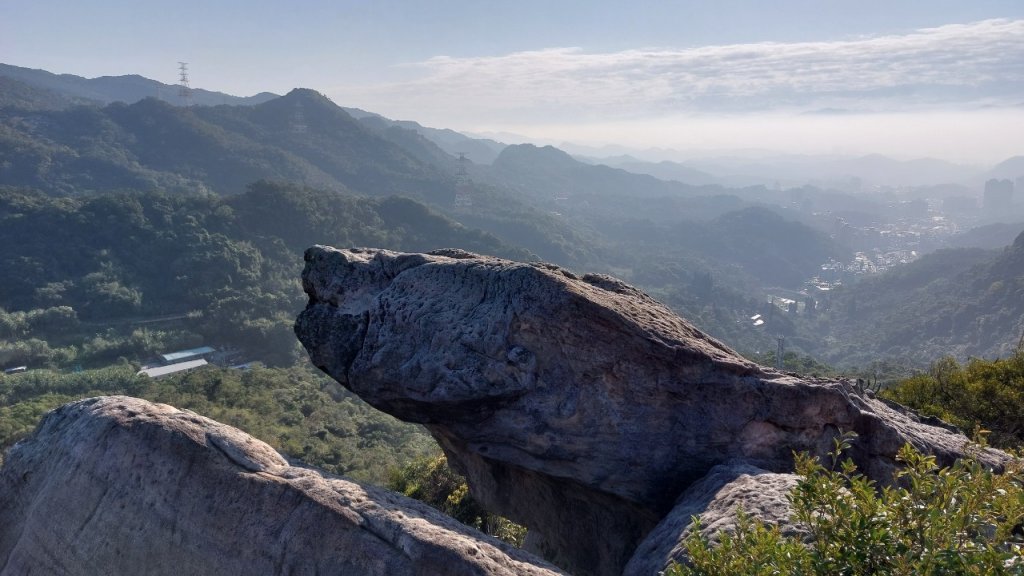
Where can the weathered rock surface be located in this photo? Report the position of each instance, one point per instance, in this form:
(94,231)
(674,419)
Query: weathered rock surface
(118,485)
(577,406)
(715,498)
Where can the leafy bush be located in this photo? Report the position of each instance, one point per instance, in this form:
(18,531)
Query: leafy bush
(986,394)
(964,519)
(432,481)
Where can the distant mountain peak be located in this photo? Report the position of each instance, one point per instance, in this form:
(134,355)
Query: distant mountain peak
(308,93)
(546,156)
(1013,164)
(306,97)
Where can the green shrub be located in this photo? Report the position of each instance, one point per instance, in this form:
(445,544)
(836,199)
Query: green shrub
(986,394)
(432,481)
(964,519)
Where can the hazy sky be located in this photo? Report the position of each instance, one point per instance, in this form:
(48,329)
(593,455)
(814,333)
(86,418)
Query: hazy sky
(939,78)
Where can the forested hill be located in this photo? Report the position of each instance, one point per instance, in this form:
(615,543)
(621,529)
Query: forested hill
(17,94)
(128,89)
(962,303)
(302,137)
(549,172)
(478,150)
(233,262)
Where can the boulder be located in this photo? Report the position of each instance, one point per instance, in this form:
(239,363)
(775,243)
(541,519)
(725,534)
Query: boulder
(117,485)
(576,405)
(715,498)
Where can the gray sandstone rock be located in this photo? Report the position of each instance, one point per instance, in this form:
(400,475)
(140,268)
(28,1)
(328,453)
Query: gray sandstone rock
(577,406)
(117,485)
(715,498)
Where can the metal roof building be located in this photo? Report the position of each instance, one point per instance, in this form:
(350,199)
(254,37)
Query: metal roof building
(172,369)
(185,354)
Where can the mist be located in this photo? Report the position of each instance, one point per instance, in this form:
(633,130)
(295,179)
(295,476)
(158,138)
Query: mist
(982,137)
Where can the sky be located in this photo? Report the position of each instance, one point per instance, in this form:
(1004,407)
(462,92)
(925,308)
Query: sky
(904,78)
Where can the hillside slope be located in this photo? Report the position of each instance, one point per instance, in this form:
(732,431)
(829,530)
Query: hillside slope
(964,302)
(128,88)
(230,264)
(302,137)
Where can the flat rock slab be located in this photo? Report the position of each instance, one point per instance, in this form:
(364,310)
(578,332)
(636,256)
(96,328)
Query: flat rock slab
(118,485)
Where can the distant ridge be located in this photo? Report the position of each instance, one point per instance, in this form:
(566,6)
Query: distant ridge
(664,170)
(552,172)
(18,94)
(1010,168)
(302,137)
(479,150)
(128,89)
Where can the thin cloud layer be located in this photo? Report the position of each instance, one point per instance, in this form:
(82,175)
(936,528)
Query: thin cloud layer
(961,66)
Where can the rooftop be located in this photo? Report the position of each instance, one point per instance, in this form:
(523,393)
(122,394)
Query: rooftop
(181,355)
(171,369)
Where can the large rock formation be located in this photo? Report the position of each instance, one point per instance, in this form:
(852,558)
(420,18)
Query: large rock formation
(576,405)
(118,485)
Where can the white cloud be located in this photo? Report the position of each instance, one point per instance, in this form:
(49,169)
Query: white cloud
(957,66)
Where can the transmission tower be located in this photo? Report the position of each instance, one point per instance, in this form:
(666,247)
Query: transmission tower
(184,90)
(463,189)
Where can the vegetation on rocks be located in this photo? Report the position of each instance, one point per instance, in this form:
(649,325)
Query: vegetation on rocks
(964,519)
(979,394)
(430,479)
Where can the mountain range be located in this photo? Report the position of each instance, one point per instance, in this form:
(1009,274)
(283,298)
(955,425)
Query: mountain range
(708,249)
(745,168)
(150,144)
